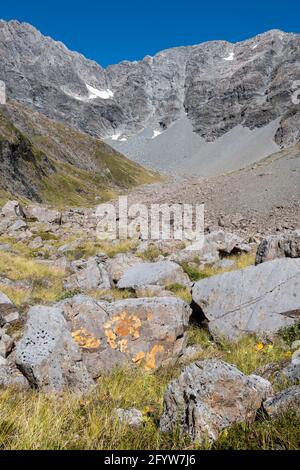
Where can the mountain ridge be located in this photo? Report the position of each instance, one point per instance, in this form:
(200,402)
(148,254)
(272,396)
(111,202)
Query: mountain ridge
(216,86)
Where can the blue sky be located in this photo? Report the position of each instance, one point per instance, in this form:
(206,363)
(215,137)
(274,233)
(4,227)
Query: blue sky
(111,31)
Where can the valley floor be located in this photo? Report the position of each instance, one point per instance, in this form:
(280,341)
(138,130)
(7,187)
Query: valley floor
(47,257)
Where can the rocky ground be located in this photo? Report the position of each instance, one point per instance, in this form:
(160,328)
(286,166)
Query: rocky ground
(255,201)
(196,328)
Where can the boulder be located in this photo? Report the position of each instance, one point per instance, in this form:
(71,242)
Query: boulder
(215,244)
(143,332)
(117,266)
(289,374)
(259,299)
(131,416)
(18,225)
(6,343)
(8,311)
(88,274)
(47,354)
(285,245)
(210,396)
(161,273)
(44,215)
(11,377)
(13,210)
(86,319)
(284,401)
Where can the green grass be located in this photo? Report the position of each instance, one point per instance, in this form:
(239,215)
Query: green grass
(150,254)
(45,283)
(180,291)
(88,248)
(196,273)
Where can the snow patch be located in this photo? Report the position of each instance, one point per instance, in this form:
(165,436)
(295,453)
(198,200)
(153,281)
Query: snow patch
(230,57)
(156,134)
(103,94)
(115,136)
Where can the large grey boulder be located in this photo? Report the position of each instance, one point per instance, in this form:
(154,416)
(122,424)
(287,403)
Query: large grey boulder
(284,401)
(88,274)
(143,332)
(210,396)
(286,245)
(118,265)
(258,299)
(44,214)
(47,354)
(86,321)
(160,273)
(13,210)
(8,311)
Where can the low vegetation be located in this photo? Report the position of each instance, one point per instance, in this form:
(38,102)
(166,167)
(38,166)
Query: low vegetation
(34,420)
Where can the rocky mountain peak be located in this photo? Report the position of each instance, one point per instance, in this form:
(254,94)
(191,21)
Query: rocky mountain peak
(207,91)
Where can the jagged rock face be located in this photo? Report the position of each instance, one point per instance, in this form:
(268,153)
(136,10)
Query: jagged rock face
(218,85)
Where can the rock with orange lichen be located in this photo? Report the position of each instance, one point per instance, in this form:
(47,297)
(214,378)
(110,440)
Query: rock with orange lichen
(145,332)
(149,331)
(86,319)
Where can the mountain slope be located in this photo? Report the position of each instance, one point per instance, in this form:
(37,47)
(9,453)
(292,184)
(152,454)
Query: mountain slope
(214,87)
(50,162)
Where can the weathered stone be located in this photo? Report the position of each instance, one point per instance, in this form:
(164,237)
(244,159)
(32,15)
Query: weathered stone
(6,343)
(161,273)
(47,354)
(13,210)
(10,376)
(44,215)
(258,299)
(18,225)
(289,375)
(215,244)
(131,416)
(190,354)
(210,396)
(285,245)
(284,401)
(120,263)
(153,291)
(88,274)
(144,332)
(8,311)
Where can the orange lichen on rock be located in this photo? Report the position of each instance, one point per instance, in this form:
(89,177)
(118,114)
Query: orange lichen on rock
(85,339)
(137,359)
(122,325)
(150,362)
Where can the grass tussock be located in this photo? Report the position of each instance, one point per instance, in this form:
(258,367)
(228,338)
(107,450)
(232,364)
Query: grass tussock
(196,273)
(180,291)
(150,254)
(40,283)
